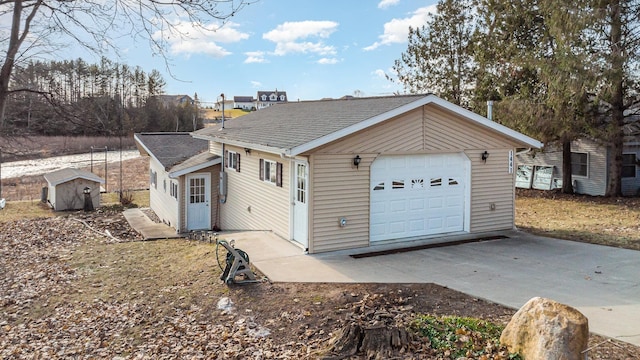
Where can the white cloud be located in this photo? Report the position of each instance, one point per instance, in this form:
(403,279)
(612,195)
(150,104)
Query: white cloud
(190,38)
(387,3)
(328,61)
(256,84)
(255,57)
(303,47)
(397,30)
(289,35)
(379,73)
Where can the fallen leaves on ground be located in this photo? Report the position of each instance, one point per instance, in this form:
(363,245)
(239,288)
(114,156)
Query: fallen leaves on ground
(51,308)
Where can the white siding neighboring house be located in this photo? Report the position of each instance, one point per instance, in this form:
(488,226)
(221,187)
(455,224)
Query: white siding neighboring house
(65,189)
(244,102)
(352,173)
(590,173)
(183,180)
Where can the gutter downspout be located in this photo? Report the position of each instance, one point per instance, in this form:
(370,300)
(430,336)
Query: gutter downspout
(222,186)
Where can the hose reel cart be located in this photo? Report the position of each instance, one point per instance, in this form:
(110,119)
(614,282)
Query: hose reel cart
(237,264)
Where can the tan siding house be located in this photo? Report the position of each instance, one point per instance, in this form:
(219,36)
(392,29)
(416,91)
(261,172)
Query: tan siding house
(355,173)
(183,180)
(254,204)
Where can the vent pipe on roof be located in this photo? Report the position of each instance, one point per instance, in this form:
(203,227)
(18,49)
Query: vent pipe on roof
(490,109)
(222,110)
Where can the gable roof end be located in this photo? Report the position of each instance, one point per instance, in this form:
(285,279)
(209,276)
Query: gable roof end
(429,99)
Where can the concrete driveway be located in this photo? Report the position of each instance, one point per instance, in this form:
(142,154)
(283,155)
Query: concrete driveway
(602,282)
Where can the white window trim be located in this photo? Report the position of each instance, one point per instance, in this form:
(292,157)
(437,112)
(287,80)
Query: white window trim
(273,169)
(588,167)
(232,164)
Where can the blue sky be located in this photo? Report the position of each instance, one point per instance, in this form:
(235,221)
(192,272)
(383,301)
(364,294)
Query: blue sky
(310,49)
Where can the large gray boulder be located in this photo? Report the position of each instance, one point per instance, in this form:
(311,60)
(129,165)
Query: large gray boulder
(545,329)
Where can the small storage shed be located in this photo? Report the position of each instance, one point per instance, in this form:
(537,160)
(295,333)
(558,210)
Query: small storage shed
(65,188)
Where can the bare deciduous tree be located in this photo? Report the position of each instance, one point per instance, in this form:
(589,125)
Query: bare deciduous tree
(97,25)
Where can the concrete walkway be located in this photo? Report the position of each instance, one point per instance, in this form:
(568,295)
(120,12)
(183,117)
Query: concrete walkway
(602,282)
(149,229)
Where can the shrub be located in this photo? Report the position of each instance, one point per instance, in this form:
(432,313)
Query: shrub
(460,337)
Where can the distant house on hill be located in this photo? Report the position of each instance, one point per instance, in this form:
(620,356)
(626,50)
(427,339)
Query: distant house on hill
(175,100)
(244,102)
(227,103)
(269,98)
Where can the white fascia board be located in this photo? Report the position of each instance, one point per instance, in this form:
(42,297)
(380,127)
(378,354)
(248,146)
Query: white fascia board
(242,144)
(480,120)
(177,174)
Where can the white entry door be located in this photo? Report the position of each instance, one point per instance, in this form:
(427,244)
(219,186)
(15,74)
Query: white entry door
(198,198)
(417,195)
(300,203)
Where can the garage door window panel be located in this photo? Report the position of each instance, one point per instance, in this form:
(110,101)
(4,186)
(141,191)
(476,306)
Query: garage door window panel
(397,184)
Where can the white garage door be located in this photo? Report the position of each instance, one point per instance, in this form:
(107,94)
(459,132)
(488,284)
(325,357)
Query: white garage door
(416,195)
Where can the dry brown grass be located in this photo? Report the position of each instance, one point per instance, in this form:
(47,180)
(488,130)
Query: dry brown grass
(228,113)
(22,210)
(139,198)
(612,222)
(37,147)
(130,272)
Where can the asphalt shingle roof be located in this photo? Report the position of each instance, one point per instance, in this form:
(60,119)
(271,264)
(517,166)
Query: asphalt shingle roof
(172,148)
(288,125)
(67,174)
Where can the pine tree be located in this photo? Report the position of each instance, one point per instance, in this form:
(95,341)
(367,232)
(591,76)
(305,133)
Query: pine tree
(439,54)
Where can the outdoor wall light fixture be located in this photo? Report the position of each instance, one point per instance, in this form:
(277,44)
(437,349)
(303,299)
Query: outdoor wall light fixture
(356,161)
(247,151)
(485,156)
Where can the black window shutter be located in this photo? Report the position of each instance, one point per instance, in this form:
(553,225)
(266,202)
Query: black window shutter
(279,174)
(238,162)
(261,169)
(226,158)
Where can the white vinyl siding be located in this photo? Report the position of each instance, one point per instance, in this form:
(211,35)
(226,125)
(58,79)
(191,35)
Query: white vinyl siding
(160,199)
(594,184)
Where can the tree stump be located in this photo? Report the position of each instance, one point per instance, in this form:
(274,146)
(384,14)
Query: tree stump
(375,342)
